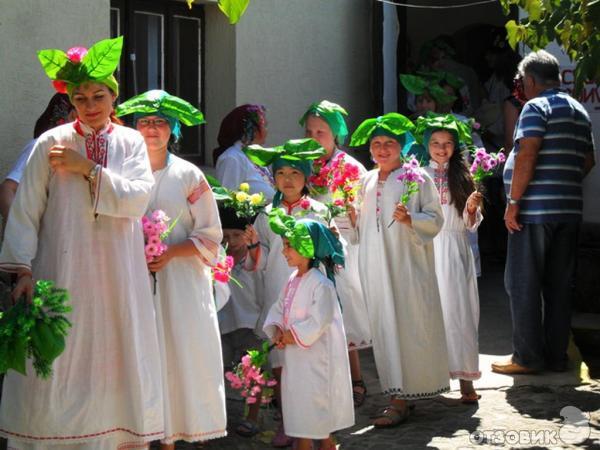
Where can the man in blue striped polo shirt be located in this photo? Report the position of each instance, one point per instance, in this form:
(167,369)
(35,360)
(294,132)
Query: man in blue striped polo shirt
(553,152)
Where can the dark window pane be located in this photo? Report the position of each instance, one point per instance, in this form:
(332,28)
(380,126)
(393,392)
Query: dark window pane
(148,67)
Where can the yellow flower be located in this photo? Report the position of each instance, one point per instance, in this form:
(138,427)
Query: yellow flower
(256,199)
(244,187)
(241,196)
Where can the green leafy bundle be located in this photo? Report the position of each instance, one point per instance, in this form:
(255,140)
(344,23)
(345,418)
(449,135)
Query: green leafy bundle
(574,25)
(35,330)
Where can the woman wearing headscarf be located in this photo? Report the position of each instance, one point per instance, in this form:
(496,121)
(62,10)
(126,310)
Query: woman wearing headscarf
(186,316)
(245,125)
(75,220)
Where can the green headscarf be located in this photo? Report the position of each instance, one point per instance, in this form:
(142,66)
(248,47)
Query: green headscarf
(296,153)
(333,114)
(393,125)
(80,65)
(160,103)
(309,238)
(419,85)
(428,124)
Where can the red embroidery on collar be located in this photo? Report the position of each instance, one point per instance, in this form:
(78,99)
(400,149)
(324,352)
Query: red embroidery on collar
(96,143)
(291,206)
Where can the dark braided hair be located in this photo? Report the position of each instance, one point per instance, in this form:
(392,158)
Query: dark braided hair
(460,182)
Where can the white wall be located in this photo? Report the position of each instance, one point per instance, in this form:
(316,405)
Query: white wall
(291,53)
(25,27)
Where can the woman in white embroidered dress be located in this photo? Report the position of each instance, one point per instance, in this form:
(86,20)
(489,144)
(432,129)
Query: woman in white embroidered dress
(397,272)
(324,122)
(454,261)
(75,220)
(186,316)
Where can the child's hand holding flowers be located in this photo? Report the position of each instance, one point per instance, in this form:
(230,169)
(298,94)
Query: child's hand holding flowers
(474,201)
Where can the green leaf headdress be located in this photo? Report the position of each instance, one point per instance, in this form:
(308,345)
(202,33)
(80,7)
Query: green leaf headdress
(297,153)
(161,103)
(419,85)
(394,125)
(80,65)
(310,238)
(333,114)
(426,125)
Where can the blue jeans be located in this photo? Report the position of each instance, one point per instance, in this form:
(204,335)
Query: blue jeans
(539,279)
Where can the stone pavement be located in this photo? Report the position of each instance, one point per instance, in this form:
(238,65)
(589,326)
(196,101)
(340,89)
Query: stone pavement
(514,412)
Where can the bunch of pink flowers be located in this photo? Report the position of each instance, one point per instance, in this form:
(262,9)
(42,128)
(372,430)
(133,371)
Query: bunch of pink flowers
(344,178)
(250,380)
(156,229)
(221,271)
(484,163)
(412,177)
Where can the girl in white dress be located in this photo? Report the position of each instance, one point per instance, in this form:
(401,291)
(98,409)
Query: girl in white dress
(306,324)
(324,122)
(397,272)
(186,316)
(454,261)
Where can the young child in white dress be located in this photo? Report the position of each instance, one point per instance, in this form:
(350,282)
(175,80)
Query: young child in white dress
(306,324)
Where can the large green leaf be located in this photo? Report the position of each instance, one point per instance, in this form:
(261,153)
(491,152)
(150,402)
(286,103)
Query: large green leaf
(103,58)
(233,9)
(53,61)
(161,101)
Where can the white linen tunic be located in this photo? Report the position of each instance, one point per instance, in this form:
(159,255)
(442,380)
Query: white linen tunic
(243,306)
(457,280)
(106,389)
(273,265)
(397,272)
(234,167)
(316,388)
(186,315)
(354,307)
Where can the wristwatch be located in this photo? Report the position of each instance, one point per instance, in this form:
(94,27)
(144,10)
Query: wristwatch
(512,201)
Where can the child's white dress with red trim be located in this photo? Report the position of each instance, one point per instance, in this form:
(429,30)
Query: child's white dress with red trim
(457,278)
(186,313)
(316,387)
(105,392)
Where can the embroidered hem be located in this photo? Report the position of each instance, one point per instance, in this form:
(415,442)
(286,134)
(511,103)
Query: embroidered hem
(399,393)
(460,374)
(194,437)
(79,439)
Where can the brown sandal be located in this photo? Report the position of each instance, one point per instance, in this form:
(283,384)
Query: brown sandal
(395,415)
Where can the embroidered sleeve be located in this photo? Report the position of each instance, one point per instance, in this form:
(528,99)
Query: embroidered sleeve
(21,234)
(206,234)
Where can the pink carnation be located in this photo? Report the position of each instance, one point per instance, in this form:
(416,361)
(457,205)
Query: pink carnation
(152,250)
(154,239)
(76,54)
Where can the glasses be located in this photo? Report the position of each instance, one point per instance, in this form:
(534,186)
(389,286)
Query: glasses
(152,122)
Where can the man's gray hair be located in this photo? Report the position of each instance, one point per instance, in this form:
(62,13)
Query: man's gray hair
(542,66)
